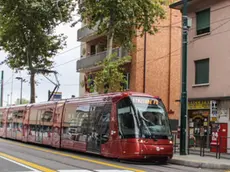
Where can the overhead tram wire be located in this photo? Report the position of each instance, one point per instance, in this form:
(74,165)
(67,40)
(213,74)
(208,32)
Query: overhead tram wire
(156,26)
(161,57)
(71,49)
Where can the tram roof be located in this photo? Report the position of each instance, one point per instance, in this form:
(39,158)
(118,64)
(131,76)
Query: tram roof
(90,97)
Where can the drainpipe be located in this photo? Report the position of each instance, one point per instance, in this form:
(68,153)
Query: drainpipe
(170,56)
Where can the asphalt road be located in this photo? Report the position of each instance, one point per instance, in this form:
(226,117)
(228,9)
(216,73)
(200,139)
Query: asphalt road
(20,157)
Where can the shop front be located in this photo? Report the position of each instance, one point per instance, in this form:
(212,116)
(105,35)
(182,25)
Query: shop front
(199,122)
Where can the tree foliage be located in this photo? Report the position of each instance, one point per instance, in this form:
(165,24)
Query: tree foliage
(122,20)
(24,101)
(111,77)
(27,33)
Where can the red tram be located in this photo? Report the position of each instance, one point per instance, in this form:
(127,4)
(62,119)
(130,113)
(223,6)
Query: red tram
(125,125)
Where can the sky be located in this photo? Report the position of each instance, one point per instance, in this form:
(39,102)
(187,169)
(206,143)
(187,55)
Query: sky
(65,65)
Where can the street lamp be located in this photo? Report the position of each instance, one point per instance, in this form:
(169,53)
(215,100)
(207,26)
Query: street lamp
(184,80)
(22,80)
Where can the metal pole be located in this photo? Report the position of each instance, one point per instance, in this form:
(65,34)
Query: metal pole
(144,68)
(12,87)
(8,99)
(21,92)
(2,80)
(184,81)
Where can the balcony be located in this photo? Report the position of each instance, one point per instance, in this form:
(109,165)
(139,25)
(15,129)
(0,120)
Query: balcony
(85,34)
(89,63)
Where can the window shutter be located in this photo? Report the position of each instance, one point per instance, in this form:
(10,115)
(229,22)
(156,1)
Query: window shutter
(202,71)
(203,19)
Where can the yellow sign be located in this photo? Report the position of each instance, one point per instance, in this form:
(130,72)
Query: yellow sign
(200,104)
(145,101)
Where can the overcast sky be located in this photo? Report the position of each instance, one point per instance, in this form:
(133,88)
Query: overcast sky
(65,63)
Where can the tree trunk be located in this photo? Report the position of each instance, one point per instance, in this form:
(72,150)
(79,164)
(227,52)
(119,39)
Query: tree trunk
(110,35)
(32,87)
(110,43)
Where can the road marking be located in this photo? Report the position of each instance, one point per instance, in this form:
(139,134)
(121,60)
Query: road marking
(26,163)
(74,156)
(22,165)
(107,170)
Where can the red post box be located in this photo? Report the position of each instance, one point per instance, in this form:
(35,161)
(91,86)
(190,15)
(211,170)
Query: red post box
(219,137)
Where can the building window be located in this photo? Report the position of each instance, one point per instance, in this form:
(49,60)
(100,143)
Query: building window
(127,77)
(202,71)
(203,22)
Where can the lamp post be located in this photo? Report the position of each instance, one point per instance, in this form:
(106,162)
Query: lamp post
(184,111)
(22,80)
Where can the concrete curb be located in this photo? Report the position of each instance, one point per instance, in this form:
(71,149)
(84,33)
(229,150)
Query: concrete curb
(197,164)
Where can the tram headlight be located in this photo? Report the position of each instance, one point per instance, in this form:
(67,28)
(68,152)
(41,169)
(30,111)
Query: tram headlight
(141,141)
(170,142)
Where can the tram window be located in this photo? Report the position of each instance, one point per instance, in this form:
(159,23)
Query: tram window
(105,121)
(76,122)
(1,119)
(46,115)
(99,123)
(126,119)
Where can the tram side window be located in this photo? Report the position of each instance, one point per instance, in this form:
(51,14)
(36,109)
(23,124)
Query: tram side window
(105,121)
(75,122)
(82,116)
(1,119)
(126,119)
(18,116)
(10,121)
(33,121)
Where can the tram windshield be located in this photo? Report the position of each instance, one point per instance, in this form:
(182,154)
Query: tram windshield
(154,122)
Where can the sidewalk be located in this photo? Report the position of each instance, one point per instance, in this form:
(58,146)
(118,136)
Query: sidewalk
(201,162)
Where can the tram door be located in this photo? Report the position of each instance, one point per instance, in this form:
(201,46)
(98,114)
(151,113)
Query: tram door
(98,128)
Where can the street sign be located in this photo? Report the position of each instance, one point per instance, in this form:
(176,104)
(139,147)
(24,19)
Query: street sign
(213,110)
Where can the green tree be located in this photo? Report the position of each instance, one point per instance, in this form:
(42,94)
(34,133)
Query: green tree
(111,77)
(27,33)
(120,21)
(24,101)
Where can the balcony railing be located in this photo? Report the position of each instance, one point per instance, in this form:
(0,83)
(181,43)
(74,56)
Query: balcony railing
(89,62)
(85,34)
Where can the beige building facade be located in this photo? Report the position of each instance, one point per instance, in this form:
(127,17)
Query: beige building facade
(208,64)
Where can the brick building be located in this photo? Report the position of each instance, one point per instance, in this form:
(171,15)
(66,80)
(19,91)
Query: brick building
(163,60)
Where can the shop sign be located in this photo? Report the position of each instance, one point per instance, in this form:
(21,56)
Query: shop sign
(200,104)
(213,111)
(213,108)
